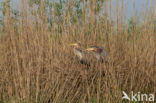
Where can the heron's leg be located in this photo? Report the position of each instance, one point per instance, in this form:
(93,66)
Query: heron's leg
(81,66)
(85,66)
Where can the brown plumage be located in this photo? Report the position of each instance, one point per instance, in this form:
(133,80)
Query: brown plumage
(81,54)
(99,53)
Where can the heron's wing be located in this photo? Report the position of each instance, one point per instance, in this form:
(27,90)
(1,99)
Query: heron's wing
(105,54)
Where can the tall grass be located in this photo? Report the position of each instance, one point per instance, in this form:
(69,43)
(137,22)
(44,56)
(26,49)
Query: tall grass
(37,64)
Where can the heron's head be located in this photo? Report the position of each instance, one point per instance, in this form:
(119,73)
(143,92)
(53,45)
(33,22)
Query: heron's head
(76,45)
(92,49)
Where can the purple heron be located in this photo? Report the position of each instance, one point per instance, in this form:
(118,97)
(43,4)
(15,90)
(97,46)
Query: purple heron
(81,54)
(99,53)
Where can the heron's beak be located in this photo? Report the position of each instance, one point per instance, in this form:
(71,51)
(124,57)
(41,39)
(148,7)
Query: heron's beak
(73,44)
(89,49)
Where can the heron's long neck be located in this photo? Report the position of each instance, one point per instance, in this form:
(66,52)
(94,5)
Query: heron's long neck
(78,52)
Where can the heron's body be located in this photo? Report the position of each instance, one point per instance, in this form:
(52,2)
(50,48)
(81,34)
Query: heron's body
(99,53)
(81,54)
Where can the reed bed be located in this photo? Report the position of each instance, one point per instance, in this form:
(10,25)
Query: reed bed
(37,65)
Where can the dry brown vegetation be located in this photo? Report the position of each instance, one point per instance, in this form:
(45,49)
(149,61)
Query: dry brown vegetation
(37,64)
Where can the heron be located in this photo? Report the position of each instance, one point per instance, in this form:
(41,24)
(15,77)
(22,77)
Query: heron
(101,56)
(81,54)
(99,53)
